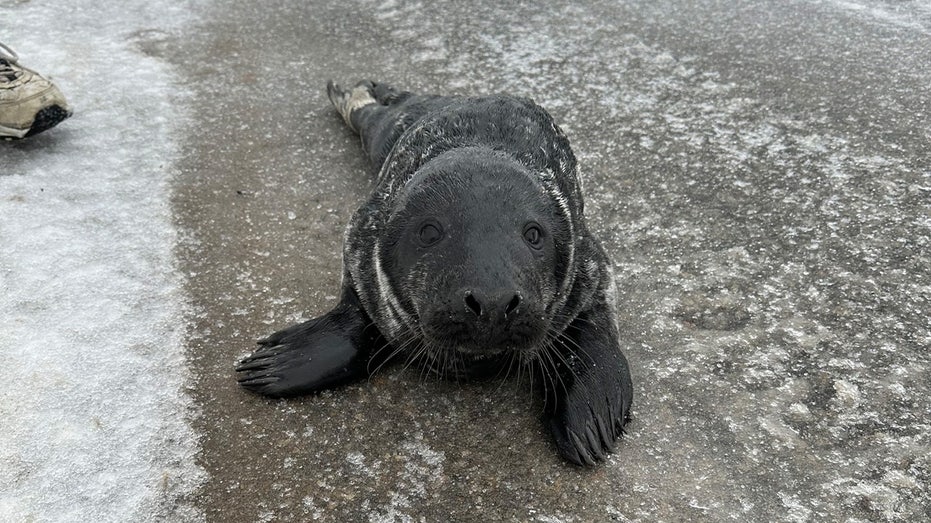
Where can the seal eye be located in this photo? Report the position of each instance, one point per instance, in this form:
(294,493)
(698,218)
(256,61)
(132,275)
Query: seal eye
(430,233)
(534,236)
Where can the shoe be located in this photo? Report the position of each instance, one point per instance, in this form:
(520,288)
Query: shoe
(29,102)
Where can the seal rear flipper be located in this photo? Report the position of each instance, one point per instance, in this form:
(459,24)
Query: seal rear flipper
(590,409)
(349,101)
(380,114)
(315,355)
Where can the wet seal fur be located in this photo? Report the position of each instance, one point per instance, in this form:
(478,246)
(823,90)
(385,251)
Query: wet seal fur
(472,257)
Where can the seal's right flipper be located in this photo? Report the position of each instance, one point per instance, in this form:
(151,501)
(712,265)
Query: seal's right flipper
(311,356)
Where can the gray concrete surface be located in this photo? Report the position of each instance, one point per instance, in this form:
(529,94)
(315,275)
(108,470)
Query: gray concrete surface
(758,171)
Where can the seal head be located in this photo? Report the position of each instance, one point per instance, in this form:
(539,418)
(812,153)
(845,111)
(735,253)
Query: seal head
(469,255)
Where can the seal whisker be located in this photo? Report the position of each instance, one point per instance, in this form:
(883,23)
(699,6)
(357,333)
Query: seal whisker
(414,355)
(506,370)
(552,350)
(529,364)
(540,360)
(437,355)
(555,339)
(522,360)
(520,368)
(429,357)
(552,374)
(377,351)
(572,345)
(410,338)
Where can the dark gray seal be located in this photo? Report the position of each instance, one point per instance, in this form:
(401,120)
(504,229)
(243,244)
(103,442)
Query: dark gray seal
(471,256)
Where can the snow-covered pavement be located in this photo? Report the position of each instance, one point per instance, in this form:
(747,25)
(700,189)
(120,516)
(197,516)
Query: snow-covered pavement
(92,388)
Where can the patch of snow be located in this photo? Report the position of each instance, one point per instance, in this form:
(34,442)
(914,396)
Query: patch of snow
(847,394)
(795,510)
(904,14)
(423,468)
(95,418)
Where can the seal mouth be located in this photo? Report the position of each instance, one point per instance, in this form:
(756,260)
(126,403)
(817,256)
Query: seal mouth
(473,346)
(480,352)
(478,349)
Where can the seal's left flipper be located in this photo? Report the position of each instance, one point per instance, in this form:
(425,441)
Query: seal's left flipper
(593,404)
(311,356)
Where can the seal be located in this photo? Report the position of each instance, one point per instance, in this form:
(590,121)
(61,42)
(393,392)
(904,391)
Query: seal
(471,257)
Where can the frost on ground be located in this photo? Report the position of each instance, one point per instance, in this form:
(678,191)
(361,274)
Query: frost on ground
(91,391)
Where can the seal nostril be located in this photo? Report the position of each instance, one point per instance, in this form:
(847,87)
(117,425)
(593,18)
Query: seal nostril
(512,305)
(473,304)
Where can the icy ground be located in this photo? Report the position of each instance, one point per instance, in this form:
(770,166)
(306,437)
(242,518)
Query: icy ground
(92,403)
(757,171)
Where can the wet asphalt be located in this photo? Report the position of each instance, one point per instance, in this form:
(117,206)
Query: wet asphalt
(757,171)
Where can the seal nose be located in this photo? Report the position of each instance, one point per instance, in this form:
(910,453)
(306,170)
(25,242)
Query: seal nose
(508,302)
(473,304)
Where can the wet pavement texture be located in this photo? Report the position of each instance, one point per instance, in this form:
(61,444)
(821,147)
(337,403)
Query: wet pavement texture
(757,171)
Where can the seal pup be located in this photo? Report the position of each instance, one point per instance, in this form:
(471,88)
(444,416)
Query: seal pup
(471,256)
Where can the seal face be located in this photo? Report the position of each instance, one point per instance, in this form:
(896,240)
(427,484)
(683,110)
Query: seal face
(467,259)
(470,256)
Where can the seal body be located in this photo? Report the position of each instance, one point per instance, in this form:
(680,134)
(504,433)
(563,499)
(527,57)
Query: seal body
(470,256)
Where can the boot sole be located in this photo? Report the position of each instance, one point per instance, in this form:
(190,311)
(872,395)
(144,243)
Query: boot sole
(46,119)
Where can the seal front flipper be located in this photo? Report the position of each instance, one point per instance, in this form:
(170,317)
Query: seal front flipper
(589,411)
(318,354)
